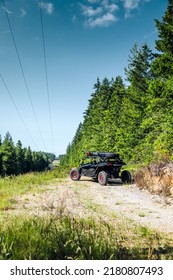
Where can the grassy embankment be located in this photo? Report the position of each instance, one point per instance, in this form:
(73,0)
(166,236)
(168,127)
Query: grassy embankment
(63,237)
(12,186)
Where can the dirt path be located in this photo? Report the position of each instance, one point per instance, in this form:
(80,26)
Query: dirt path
(87,198)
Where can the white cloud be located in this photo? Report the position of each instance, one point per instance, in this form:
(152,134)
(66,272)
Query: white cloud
(130,5)
(113,8)
(47,7)
(102,21)
(22,12)
(89,11)
(103,13)
(93,1)
(74,19)
(109,6)
(99,13)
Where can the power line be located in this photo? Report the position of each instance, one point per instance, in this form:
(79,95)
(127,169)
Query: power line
(46,72)
(11,97)
(22,70)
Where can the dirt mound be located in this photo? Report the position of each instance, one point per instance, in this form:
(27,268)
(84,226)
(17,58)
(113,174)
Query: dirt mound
(158,179)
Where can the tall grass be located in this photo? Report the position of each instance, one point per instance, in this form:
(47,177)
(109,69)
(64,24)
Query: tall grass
(65,238)
(12,186)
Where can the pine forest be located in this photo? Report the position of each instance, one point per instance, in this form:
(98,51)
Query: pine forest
(15,159)
(134,117)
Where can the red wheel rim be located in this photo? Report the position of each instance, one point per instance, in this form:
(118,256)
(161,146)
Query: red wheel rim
(101,178)
(74,174)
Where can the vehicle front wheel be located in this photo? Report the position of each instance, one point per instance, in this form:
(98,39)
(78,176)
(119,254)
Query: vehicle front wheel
(126,176)
(75,175)
(103,178)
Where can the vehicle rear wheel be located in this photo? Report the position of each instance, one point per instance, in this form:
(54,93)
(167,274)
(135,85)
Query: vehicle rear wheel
(75,175)
(126,176)
(103,178)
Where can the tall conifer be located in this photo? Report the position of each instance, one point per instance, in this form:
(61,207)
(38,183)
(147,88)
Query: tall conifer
(163,64)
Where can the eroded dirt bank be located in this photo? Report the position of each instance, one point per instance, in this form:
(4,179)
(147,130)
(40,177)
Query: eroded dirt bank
(157,178)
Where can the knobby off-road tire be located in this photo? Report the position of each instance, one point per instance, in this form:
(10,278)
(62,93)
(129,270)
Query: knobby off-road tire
(75,175)
(103,178)
(126,177)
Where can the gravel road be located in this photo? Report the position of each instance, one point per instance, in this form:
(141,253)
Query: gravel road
(87,198)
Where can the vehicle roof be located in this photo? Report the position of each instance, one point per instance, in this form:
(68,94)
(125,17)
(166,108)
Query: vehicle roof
(103,155)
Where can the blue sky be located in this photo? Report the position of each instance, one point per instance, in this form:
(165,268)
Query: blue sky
(84,39)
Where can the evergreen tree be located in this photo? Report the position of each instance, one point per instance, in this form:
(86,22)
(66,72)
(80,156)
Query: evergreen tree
(134,104)
(14,159)
(163,64)
(157,124)
(76,146)
(111,120)
(50,157)
(128,129)
(93,125)
(102,106)
(9,165)
(20,158)
(65,159)
(28,160)
(138,72)
(39,161)
(91,119)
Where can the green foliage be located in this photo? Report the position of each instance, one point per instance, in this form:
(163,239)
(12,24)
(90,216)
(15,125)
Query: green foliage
(15,160)
(8,156)
(138,72)
(134,121)
(66,238)
(163,64)
(158,123)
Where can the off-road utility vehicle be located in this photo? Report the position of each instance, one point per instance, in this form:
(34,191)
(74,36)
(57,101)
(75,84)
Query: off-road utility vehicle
(101,166)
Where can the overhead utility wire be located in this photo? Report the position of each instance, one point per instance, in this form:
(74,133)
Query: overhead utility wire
(17,109)
(22,70)
(46,72)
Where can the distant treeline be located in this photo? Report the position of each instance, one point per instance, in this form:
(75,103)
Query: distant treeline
(135,120)
(15,160)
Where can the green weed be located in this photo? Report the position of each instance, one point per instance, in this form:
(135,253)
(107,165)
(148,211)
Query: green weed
(12,186)
(71,238)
